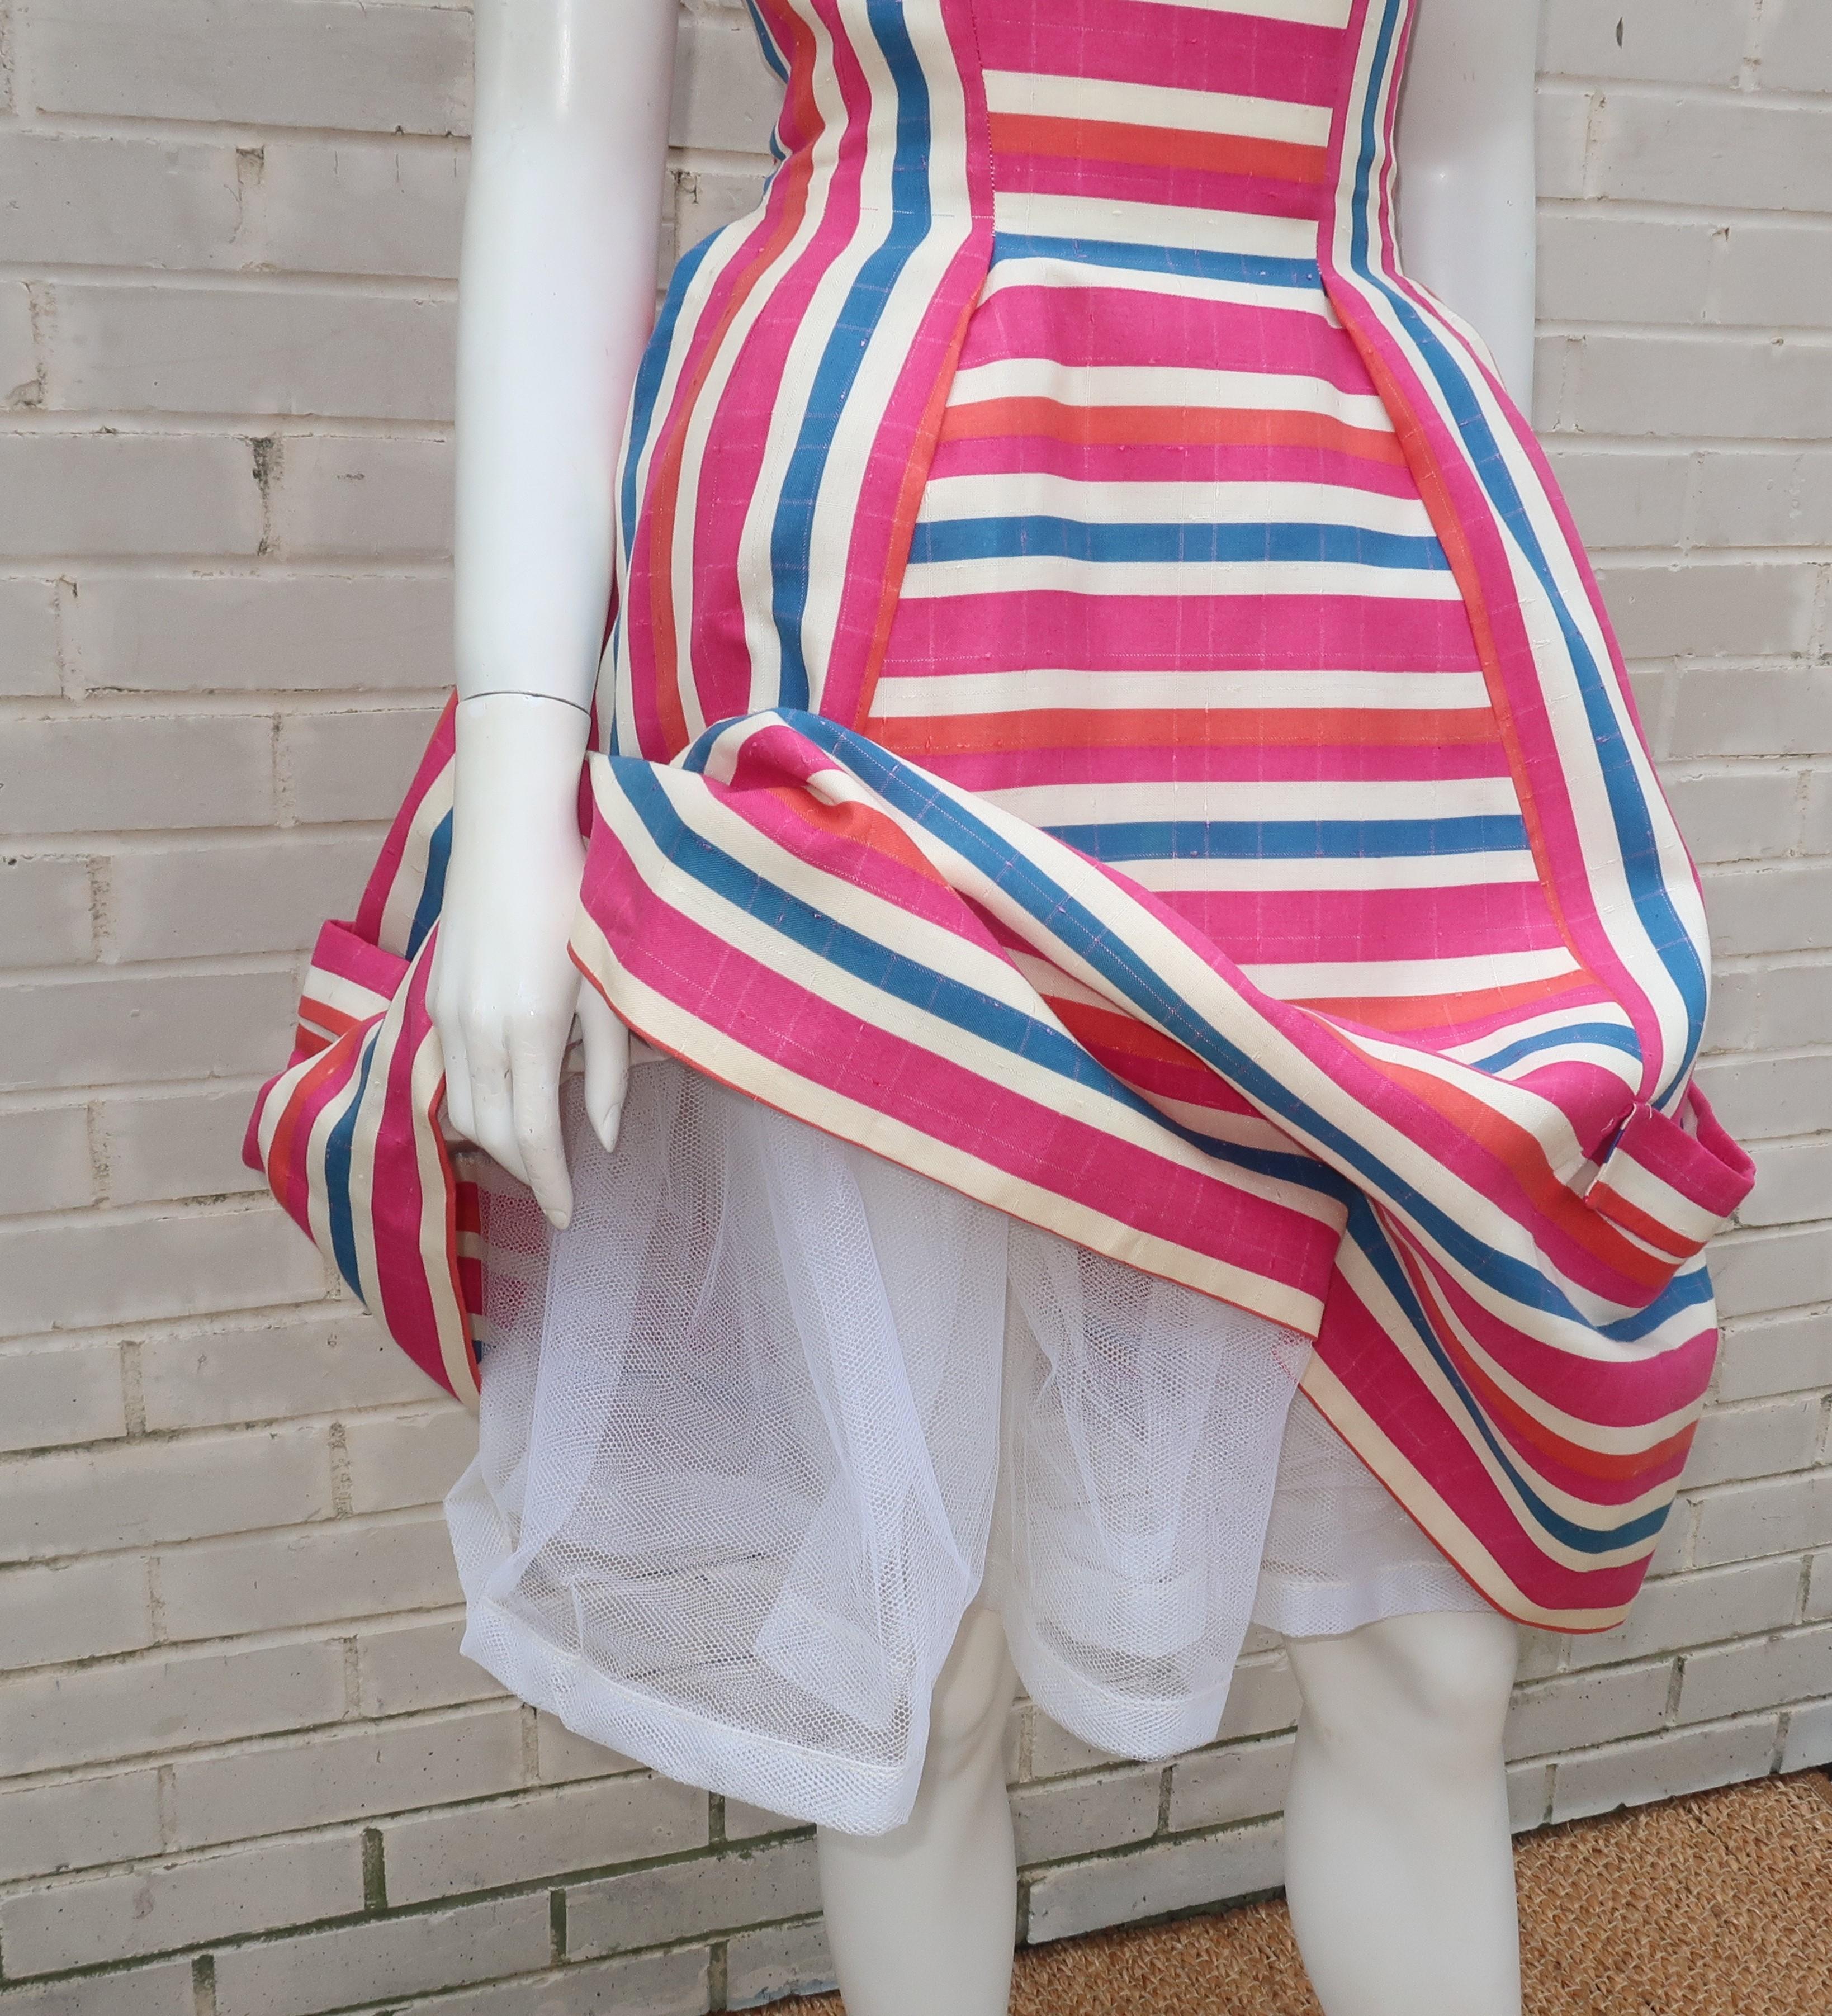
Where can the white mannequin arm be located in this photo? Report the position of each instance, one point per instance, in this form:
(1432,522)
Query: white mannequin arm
(1466,170)
(556,295)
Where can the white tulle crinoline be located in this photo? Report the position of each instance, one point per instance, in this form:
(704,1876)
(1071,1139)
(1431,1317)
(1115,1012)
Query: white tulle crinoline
(772,1411)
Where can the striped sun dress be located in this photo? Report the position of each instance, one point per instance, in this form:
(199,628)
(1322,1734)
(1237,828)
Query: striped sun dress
(1106,711)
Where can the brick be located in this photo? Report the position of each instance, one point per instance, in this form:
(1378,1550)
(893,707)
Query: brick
(1745,814)
(28,618)
(665,1983)
(388,1958)
(78,1609)
(1763,497)
(127,1707)
(1816,822)
(124,1026)
(1686,41)
(1793,1185)
(1587,1708)
(329,62)
(403,1667)
(1795,52)
(431,1854)
(261,1371)
(1762,1672)
(1778,906)
(164,1989)
(352,766)
(1166,1875)
(561,1756)
(84,1273)
(726,97)
(1774,273)
(1623,497)
(1707,608)
(1819,1595)
(708,199)
(1667,1767)
(1717,153)
(85,495)
(1755,1438)
(1809,1741)
(745,1822)
(355,206)
(176,1145)
(46,912)
(1783,1515)
(346,1774)
(1562,130)
(360,497)
(1764,1270)
(174,1904)
(60,1393)
(134,1492)
(268,1582)
(1056,1818)
(1529,1795)
(1783,1354)
(1598,267)
(339,351)
(1240,1782)
(112,200)
(1682,1610)
(265,894)
(1263,1696)
(1755,1096)
(1762,386)
(1054,1750)
(120,773)
(778,1960)
(45,1829)
(262,633)
(398,1460)
(20,384)
(643,1907)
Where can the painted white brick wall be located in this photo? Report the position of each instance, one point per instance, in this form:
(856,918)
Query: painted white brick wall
(242,1766)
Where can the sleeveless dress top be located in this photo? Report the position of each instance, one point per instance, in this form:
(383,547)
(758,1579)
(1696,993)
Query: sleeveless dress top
(1107,724)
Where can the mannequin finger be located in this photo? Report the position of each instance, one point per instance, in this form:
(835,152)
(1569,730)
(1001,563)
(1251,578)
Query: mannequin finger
(460,1109)
(607,1064)
(534,1090)
(492,1101)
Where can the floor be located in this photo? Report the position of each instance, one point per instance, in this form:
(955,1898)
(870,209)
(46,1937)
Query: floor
(1718,1905)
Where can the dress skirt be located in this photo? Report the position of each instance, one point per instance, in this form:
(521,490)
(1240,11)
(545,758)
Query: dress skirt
(759,1426)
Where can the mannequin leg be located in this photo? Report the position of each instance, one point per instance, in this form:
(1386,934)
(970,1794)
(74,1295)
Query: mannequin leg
(922,1921)
(1398,1862)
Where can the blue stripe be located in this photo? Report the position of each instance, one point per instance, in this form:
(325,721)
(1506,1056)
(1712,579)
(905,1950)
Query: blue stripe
(432,894)
(337,1157)
(792,532)
(1606,1035)
(1634,834)
(1294,840)
(967,1008)
(1079,539)
(650,373)
(1174,261)
(1365,1228)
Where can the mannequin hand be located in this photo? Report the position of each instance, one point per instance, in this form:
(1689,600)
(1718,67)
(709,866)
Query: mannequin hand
(503,991)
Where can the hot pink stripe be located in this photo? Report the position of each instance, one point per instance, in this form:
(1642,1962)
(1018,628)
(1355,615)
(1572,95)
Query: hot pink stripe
(1167,462)
(1039,763)
(1183,186)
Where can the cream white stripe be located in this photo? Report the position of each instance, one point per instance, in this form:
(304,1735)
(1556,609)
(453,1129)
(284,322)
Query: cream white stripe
(1304,13)
(1159,106)
(1016,693)
(1227,799)
(1031,212)
(1184,578)
(1404,979)
(1406,871)
(1031,271)
(1024,493)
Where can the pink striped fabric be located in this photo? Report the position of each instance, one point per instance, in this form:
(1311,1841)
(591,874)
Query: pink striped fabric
(1108,710)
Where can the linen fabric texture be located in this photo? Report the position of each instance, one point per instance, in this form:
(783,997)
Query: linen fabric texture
(1107,711)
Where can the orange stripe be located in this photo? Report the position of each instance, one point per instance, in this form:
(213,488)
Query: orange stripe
(1192,426)
(1395,1014)
(1155,146)
(1195,726)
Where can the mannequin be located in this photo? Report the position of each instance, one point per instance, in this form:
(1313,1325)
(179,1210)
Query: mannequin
(1399,1868)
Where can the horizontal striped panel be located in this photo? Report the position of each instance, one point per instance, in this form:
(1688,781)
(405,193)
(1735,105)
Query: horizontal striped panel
(1112,101)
